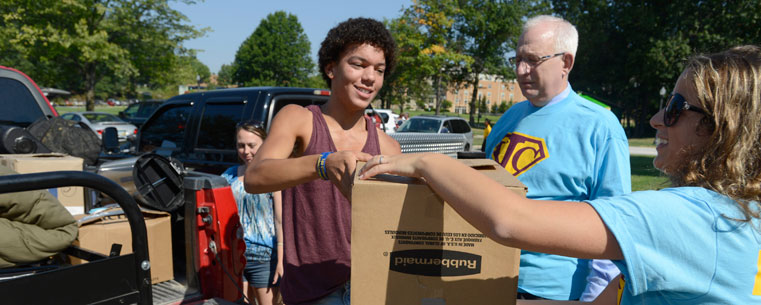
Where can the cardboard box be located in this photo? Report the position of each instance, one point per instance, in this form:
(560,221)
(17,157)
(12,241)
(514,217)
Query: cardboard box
(409,247)
(97,232)
(69,196)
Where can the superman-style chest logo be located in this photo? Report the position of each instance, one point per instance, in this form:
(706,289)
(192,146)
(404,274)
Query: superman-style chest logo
(518,152)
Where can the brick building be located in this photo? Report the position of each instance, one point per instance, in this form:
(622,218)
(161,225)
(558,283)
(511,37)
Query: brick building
(495,91)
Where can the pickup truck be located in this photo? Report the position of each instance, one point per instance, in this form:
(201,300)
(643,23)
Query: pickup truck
(207,256)
(196,128)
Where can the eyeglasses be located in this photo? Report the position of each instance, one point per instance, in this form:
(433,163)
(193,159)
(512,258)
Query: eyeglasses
(251,123)
(531,61)
(674,107)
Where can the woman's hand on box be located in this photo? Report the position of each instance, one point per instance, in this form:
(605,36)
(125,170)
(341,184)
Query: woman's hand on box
(408,165)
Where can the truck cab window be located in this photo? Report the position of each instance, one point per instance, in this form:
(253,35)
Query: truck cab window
(217,130)
(167,130)
(17,97)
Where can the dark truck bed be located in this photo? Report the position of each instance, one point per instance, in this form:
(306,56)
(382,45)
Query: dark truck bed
(207,256)
(123,279)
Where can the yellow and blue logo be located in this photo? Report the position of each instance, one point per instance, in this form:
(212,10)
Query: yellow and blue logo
(518,152)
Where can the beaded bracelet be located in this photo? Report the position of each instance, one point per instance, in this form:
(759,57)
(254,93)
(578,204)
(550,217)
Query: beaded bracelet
(320,167)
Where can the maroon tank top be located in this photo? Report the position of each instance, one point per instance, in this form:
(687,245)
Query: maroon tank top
(317,226)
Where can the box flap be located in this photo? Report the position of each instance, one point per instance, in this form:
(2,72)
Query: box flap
(34,156)
(488,167)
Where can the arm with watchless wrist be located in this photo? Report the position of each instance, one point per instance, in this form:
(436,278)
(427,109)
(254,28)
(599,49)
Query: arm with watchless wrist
(274,168)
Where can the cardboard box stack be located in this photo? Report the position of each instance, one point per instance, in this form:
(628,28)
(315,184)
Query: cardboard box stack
(408,246)
(71,197)
(97,232)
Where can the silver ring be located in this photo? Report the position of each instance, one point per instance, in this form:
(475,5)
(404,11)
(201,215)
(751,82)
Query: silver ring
(380,160)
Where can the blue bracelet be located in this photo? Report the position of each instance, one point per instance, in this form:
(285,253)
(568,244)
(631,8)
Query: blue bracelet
(322,170)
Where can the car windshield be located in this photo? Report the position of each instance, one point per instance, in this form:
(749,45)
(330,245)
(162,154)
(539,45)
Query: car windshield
(420,125)
(101,117)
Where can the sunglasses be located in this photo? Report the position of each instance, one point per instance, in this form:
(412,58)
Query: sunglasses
(674,107)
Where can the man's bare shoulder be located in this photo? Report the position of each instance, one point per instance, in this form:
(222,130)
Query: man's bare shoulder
(293,111)
(388,145)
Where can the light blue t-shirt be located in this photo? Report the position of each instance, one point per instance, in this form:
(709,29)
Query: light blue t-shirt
(256,217)
(679,248)
(573,150)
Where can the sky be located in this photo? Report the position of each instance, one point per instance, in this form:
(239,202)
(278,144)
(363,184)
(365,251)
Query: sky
(232,21)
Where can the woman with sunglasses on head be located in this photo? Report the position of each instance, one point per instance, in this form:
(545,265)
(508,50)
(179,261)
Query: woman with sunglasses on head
(260,218)
(311,155)
(698,242)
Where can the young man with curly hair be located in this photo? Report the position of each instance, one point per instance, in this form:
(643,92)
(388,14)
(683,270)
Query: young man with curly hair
(310,155)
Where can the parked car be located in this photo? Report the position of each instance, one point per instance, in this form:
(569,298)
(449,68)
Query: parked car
(98,121)
(137,113)
(439,124)
(388,117)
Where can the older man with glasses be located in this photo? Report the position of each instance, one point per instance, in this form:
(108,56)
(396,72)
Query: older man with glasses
(562,147)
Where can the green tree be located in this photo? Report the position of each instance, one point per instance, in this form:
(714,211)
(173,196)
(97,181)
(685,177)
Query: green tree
(421,105)
(76,43)
(482,108)
(190,69)
(445,105)
(316,81)
(428,53)
(276,54)
(225,75)
(487,30)
(405,81)
(640,46)
(503,107)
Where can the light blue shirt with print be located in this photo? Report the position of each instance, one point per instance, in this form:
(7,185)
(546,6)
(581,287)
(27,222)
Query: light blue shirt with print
(256,212)
(681,247)
(570,150)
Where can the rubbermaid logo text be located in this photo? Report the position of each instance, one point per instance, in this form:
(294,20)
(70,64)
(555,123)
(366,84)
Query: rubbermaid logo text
(435,262)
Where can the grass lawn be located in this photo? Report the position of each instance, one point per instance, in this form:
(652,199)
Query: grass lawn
(646,142)
(645,176)
(107,109)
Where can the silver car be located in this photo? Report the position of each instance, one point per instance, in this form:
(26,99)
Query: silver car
(439,124)
(98,121)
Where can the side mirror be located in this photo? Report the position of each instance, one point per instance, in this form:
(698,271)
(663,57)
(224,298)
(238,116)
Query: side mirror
(110,140)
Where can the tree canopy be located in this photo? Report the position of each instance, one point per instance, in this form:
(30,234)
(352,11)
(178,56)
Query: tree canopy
(488,30)
(427,52)
(629,50)
(449,44)
(276,54)
(74,44)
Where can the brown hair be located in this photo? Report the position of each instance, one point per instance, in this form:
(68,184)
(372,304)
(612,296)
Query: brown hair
(728,86)
(252,127)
